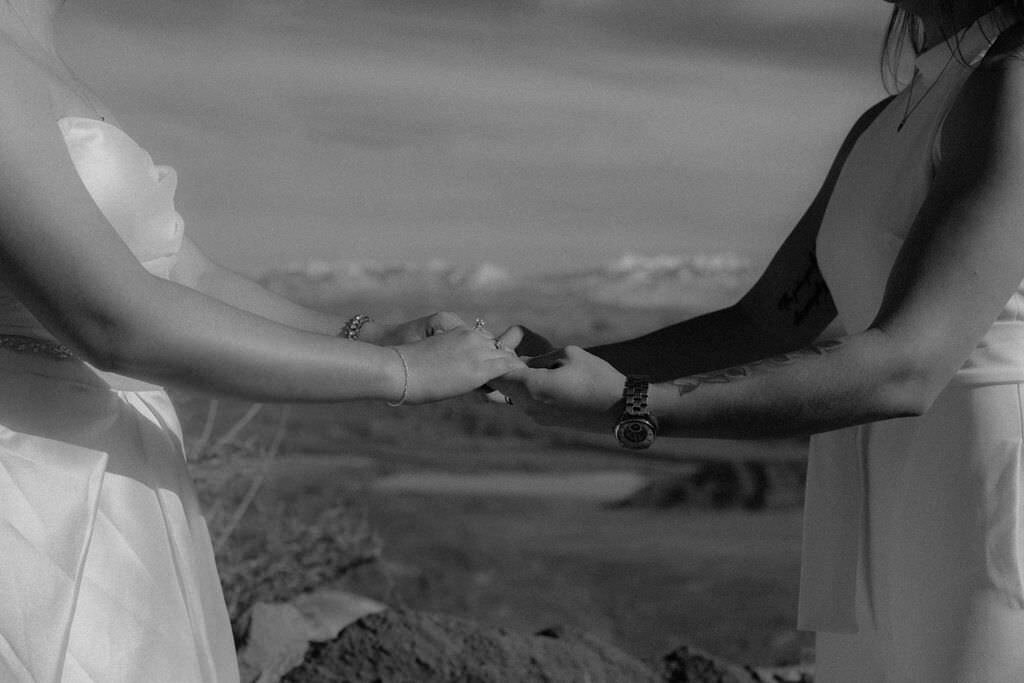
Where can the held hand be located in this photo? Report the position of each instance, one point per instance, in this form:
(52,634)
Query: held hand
(567,387)
(526,342)
(417,329)
(453,363)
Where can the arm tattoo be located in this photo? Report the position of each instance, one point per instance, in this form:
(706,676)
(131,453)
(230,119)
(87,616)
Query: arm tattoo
(690,384)
(809,291)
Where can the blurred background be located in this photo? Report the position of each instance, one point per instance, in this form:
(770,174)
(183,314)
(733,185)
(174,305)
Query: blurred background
(534,134)
(592,168)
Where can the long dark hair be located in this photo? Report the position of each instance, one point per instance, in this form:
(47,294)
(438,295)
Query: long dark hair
(904,34)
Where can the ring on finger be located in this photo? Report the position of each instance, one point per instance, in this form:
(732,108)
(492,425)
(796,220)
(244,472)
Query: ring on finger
(479,324)
(498,344)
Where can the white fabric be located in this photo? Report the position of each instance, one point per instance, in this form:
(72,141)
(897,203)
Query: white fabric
(939,583)
(913,548)
(135,195)
(106,565)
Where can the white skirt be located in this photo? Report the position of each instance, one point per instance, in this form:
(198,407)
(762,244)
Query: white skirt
(106,566)
(935,591)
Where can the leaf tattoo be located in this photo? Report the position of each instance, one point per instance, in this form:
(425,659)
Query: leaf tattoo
(686,385)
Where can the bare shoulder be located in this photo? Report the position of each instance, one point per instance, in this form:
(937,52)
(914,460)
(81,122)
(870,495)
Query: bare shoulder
(984,130)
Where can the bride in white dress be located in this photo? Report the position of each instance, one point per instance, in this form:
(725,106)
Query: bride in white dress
(106,567)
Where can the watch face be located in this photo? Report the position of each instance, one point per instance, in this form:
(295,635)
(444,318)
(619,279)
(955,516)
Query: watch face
(635,433)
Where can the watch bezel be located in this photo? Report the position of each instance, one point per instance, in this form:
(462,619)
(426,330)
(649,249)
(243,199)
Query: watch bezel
(626,422)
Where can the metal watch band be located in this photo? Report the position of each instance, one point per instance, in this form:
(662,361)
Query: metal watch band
(635,395)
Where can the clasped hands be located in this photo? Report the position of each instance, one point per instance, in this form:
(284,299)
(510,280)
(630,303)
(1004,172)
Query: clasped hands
(554,386)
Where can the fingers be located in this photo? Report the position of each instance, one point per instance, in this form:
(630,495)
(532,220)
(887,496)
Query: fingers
(502,365)
(499,357)
(520,375)
(512,337)
(442,322)
(495,396)
(550,360)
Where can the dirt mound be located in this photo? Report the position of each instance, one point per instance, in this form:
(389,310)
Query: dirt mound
(688,664)
(399,646)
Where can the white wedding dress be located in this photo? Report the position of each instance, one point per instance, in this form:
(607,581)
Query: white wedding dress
(106,566)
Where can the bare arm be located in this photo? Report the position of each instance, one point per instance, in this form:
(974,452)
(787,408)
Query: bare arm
(962,260)
(786,309)
(69,266)
(196,270)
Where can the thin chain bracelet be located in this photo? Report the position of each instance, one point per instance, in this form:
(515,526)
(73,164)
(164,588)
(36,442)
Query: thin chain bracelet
(405,382)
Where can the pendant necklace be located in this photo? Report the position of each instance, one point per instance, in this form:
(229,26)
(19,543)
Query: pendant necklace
(910,109)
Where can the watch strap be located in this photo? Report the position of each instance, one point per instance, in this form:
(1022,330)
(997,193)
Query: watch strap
(634,394)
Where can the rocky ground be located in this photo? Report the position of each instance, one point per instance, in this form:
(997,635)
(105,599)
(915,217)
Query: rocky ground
(406,646)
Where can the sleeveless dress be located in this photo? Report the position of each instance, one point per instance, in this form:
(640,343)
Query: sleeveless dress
(913,564)
(106,566)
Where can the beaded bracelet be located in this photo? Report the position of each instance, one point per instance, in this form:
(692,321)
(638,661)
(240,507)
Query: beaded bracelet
(352,326)
(405,382)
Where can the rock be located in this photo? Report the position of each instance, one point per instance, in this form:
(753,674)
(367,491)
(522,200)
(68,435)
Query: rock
(277,635)
(688,664)
(399,646)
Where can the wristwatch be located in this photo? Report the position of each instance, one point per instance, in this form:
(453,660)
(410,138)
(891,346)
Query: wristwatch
(636,427)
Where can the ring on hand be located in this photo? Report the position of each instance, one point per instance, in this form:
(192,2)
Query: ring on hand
(498,345)
(479,324)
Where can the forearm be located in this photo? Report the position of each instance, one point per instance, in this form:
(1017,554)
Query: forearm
(826,386)
(183,337)
(719,339)
(243,293)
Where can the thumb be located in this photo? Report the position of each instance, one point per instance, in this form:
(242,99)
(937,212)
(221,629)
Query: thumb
(512,337)
(549,361)
(520,375)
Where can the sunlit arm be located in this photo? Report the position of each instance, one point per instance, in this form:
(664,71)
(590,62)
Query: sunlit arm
(196,270)
(832,384)
(961,261)
(71,269)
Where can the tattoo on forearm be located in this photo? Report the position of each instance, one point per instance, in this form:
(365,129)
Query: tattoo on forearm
(690,384)
(808,293)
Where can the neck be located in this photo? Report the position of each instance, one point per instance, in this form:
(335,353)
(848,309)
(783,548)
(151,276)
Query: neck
(30,22)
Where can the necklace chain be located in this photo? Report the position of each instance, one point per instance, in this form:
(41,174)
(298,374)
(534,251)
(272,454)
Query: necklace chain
(910,109)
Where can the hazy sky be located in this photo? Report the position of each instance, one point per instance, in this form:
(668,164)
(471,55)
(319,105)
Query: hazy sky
(538,134)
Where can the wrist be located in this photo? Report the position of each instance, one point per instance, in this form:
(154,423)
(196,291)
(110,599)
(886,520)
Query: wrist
(394,365)
(636,427)
(372,332)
